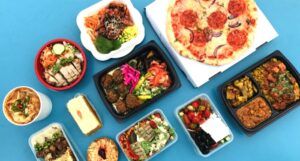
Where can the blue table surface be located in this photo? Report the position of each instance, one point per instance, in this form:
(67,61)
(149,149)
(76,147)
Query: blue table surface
(26,25)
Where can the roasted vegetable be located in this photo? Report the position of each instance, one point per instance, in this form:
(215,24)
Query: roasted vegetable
(240,91)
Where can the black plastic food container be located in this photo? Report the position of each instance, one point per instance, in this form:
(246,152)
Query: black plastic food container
(275,113)
(152,45)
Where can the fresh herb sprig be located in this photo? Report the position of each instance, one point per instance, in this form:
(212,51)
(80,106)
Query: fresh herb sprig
(20,105)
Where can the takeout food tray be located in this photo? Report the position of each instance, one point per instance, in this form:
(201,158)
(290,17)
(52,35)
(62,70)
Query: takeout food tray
(152,45)
(214,110)
(65,133)
(275,114)
(143,118)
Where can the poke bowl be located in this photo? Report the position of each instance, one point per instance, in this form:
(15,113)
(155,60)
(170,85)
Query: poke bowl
(204,125)
(110,28)
(147,137)
(262,93)
(60,64)
(136,81)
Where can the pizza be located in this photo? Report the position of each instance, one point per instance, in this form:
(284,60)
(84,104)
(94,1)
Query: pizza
(213,32)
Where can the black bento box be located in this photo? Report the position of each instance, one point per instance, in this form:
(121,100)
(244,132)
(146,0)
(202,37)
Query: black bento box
(150,46)
(275,113)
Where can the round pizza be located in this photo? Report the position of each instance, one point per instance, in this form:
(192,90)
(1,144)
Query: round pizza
(214,32)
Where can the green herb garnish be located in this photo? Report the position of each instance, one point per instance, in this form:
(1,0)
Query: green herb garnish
(48,142)
(56,68)
(20,105)
(146,146)
(65,61)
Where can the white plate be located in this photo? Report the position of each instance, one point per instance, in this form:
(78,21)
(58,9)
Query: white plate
(126,47)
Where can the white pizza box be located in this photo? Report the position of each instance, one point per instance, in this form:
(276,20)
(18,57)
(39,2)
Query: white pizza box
(199,73)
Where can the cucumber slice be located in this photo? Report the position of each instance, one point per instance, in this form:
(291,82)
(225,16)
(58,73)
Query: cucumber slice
(58,49)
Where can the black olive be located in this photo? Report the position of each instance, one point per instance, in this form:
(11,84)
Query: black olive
(102,153)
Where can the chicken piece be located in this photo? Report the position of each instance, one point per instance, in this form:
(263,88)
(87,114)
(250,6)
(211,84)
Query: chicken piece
(146,132)
(73,70)
(77,64)
(138,150)
(79,56)
(50,79)
(66,74)
(59,78)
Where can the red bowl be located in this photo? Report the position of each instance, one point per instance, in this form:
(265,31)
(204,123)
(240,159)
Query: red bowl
(39,70)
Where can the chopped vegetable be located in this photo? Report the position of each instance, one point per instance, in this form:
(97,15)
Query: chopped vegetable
(65,61)
(278,85)
(159,75)
(152,134)
(240,91)
(129,33)
(58,49)
(131,76)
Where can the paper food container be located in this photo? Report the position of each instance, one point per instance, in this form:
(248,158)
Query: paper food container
(199,73)
(126,47)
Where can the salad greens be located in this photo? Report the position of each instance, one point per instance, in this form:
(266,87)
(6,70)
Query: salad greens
(147,137)
(105,45)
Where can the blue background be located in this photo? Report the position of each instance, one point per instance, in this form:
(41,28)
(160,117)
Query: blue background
(27,24)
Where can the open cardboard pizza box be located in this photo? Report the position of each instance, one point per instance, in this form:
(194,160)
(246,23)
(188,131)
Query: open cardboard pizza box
(199,73)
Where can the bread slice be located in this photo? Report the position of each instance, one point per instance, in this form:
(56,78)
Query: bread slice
(84,114)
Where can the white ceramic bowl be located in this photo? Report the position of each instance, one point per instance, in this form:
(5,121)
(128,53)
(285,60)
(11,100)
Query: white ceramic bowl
(126,47)
(45,107)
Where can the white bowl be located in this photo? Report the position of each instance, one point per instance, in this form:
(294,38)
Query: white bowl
(126,47)
(45,107)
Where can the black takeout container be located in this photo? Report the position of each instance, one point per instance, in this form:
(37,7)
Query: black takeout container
(275,113)
(152,45)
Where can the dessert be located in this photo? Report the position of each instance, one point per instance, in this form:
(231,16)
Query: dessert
(84,114)
(103,149)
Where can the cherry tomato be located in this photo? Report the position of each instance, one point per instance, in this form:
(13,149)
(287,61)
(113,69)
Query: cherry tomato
(196,120)
(195,104)
(153,124)
(206,113)
(191,115)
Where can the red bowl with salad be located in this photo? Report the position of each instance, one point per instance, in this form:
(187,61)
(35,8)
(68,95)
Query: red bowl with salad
(60,64)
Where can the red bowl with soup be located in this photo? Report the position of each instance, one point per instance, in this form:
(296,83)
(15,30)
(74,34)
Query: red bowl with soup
(60,64)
